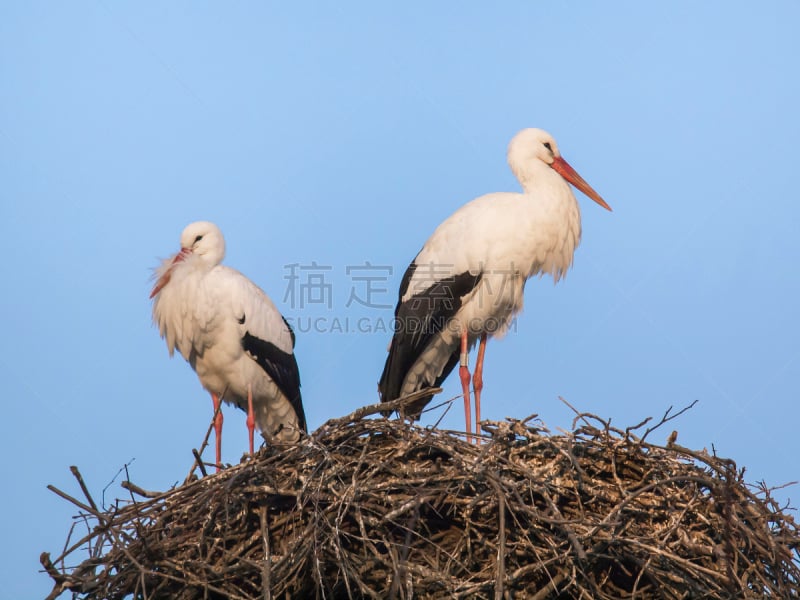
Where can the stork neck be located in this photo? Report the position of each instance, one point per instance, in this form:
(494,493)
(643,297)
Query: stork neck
(534,175)
(544,180)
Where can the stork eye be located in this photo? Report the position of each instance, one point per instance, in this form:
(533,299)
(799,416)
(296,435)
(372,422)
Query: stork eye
(548,146)
(198,238)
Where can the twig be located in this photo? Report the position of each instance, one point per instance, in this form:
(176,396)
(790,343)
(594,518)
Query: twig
(266,569)
(373,409)
(552,586)
(448,404)
(499,586)
(132,487)
(44,559)
(578,414)
(198,461)
(84,489)
(113,479)
(667,417)
(85,507)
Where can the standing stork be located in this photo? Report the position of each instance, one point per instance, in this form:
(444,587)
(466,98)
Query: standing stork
(467,282)
(232,335)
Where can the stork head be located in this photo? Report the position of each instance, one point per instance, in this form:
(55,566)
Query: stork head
(531,149)
(202,240)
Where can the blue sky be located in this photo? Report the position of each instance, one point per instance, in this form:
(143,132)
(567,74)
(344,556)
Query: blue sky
(341,137)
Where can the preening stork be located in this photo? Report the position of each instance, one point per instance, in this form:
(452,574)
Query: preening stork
(232,335)
(467,282)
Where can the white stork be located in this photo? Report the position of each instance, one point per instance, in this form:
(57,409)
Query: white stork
(467,281)
(231,334)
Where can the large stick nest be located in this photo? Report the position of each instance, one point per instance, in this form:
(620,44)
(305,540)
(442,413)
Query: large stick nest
(385,509)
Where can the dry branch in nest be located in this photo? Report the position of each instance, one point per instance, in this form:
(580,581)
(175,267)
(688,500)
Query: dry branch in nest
(385,509)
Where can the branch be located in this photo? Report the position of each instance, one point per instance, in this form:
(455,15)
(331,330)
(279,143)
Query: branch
(132,487)
(372,409)
(667,417)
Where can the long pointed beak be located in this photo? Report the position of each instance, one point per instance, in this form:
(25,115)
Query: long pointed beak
(167,275)
(562,167)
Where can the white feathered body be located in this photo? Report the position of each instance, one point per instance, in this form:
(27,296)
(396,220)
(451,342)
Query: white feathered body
(482,255)
(506,238)
(204,312)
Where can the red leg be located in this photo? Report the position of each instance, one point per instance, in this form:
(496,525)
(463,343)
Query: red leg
(217,428)
(251,419)
(477,384)
(463,372)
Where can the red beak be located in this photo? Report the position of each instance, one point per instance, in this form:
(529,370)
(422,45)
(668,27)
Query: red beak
(562,167)
(164,279)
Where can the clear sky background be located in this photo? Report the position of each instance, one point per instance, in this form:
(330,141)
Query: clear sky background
(341,137)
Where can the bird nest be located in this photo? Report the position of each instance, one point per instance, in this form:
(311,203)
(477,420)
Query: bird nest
(377,508)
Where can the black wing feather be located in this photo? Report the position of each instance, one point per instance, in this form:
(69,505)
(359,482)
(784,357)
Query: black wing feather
(291,331)
(418,320)
(282,369)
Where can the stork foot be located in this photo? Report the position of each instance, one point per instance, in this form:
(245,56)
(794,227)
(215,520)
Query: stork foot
(218,419)
(463,372)
(251,419)
(477,385)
